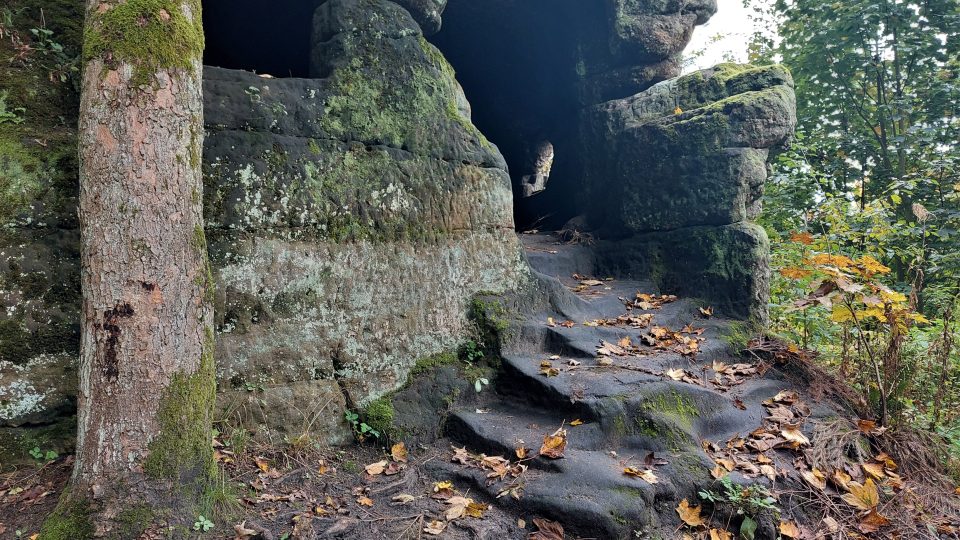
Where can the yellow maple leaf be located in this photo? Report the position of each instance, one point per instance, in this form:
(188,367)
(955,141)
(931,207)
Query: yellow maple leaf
(789,529)
(678,110)
(862,496)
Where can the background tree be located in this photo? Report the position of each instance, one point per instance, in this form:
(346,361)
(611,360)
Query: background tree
(873,172)
(146,368)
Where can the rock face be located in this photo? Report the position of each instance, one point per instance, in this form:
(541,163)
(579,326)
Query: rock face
(351,217)
(676,172)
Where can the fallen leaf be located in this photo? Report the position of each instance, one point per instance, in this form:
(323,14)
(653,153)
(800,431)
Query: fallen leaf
(873,521)
(374,469)
(547,530)
(789,529)
(403,498)
(458,506)
(554,445)
(720,534)
(364,501)
(794,435)
(815,478)
(707,312)
(874,470)
(521,452)
(644,474)
(862,496)
(435,527)
(262,464)
(577,422)
(550,322)
(242,532)
(690,514)
(399,452)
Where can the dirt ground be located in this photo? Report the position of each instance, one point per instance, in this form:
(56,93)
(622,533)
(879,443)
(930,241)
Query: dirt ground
(288,493)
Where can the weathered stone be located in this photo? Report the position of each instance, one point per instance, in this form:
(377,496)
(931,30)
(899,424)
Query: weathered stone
(427,13)
(726,266)
(351,217)
(689,151)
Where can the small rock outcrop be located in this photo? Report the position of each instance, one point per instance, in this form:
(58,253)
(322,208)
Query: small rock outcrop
(675,174)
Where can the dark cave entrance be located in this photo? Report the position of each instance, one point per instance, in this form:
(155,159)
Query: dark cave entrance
(521,69)
(255,35)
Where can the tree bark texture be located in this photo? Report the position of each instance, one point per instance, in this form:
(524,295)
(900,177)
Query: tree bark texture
(146,366)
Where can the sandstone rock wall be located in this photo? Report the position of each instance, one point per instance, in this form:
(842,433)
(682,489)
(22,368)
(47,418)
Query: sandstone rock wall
(351,218)
(676,172)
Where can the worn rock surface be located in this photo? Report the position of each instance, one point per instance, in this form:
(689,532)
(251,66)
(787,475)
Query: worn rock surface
(628,407)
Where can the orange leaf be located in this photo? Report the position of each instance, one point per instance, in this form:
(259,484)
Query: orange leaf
(789,529)
(873,521)
(690,514)
(554,445)
(399,452)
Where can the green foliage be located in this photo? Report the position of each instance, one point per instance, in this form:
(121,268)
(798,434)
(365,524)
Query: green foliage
(874,172)
(748,501)
(39,455)
(202,524)
(9,114)
(361,430)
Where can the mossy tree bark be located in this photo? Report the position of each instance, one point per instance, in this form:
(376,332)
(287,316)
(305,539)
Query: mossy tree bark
(146,366)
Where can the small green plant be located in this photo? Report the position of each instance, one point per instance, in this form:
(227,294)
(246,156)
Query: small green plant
(202,524)
(40,455)
(59,62)
(360,429)
(10,115)
(748,501)
(472,352)
(480,383)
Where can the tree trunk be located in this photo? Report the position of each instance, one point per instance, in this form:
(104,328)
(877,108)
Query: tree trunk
(146,367)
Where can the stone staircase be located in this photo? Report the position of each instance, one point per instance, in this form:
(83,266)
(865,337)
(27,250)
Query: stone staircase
(629,409)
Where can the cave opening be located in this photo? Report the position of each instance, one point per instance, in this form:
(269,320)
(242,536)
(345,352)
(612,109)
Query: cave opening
(270,38)
(520,66)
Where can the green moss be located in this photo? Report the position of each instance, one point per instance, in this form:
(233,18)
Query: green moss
(152,35)
(132,522)
(69,521)
(675,406)
(379,415)
(430,363)
(182,451)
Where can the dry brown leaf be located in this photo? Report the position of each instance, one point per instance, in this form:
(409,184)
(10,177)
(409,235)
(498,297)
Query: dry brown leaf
(554,445)
(547,530)
(862,496)
(644,474)
(690,514)
(789,529)
(873,521)
(403,498)
(399,452)
(707,312)
(363,500)
(261,463)
(815,478)
(521,452)
(577,422)
(720,534)
(794,435)
(435,527)
(874,470)
(374,469)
